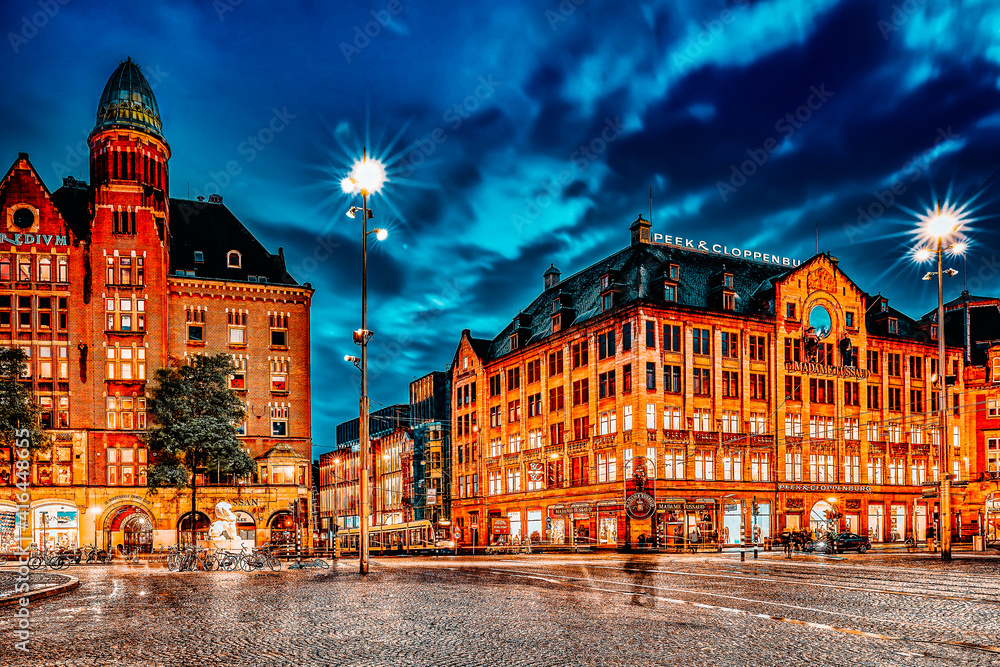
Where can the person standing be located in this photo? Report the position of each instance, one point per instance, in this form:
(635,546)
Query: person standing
(930,538)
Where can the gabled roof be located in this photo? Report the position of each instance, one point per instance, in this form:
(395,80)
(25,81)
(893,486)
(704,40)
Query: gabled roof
(212,230)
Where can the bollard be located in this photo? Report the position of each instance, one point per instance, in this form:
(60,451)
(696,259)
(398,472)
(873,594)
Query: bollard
(755,552)
(743,555)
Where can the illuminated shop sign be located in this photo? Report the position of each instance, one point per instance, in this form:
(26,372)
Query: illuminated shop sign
(823,369)
(824,487)
(719,249)
(33,239)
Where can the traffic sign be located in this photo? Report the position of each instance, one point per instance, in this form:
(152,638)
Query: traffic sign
(548,522)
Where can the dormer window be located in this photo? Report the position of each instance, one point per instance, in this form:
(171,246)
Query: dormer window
(884,307)
(674,271)
(608,301)
(234,260)
(727,280)
(729,301)
(605,282)
(893,325)
(199,256)
(556,305)
(670,293)
(790,311)
(849,319)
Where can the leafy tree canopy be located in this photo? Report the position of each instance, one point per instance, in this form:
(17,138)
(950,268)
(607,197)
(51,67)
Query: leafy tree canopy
(193,416)
(17,411)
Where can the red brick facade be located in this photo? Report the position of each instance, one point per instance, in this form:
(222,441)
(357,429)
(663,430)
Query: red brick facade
(102,289)
(748,390)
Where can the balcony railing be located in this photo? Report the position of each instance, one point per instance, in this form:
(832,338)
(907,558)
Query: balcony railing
(673,435)
(576,446)
(762,440)
(493,462)
(604,440)
(513,457)
(706,437)
(532,454)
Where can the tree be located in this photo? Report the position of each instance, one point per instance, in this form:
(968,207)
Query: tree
(17,411)
(194,416)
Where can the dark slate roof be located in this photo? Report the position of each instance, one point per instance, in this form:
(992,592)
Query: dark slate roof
(984,323)
(640,271)
(127,101)
(212,229)
(73,201)
(877,322)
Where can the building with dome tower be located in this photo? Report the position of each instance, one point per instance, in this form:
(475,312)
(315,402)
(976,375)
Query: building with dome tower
(103,283)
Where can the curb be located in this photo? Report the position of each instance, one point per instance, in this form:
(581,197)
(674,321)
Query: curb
(42,593)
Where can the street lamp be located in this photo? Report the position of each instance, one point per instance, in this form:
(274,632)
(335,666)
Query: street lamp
(366,177)
(940,229)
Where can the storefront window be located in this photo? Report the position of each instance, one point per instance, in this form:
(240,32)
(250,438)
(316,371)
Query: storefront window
(8,529)
(535,526)
(762,527)
(55,526)
(515,525)
(876,523)
(558,535)
(607,533)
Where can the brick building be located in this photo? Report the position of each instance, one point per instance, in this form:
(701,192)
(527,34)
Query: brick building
(670,393)
(104,283)
(341,469)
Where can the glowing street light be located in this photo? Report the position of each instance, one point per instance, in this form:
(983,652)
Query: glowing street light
(941,229)
(367,176)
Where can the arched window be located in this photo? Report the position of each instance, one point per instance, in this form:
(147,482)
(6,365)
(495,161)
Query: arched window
(234,260)
(996,364)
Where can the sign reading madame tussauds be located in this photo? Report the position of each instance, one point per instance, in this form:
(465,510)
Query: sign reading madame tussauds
(823,369)
(719,249)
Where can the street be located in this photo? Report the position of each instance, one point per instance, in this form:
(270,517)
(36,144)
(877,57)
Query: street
(529,610)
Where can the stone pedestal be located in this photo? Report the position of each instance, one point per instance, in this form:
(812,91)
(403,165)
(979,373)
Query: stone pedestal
(233,546)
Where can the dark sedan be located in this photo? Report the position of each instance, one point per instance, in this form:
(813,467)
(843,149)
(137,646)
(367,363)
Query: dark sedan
(840,543)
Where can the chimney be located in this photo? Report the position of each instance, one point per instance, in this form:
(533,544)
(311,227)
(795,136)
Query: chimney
(640,230)
(215,199)
(551,276)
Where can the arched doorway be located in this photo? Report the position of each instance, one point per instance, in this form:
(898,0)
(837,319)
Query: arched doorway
(201,526)
(129,527)
(819,517)
(282,530)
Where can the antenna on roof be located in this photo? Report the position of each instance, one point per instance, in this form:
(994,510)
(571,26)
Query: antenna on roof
(650,204)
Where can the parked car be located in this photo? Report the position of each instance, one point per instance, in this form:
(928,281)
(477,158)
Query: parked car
(839,543)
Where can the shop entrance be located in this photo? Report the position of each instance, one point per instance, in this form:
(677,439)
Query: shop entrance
(129,528)
(920,522)
(818,517)
(732,525)
(992,518)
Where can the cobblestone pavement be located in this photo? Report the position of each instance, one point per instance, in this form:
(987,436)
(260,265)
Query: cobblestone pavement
(36,580)
(712,609)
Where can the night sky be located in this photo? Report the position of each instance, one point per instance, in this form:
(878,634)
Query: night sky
(523,133)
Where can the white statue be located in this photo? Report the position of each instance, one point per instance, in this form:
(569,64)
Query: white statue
(224,526)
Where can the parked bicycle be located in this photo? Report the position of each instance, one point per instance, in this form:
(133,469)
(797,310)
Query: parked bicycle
(40,559)
(91,554)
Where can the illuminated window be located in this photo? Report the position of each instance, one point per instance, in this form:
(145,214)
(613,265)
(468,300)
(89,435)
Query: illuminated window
(125,314)
(279,420)
(126,363)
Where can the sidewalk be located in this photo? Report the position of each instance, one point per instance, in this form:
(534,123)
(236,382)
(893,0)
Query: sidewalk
(40,585)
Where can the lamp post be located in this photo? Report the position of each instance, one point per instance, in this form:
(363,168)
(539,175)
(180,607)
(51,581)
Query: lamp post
(941,229)
(366,177)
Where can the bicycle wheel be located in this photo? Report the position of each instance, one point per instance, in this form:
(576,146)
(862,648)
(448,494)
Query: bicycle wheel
(229,563)
(211,563)
(273,563)
(322,563)
(35,562)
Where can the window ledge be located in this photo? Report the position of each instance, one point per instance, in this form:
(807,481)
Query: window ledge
(196,343)
(237,346)
(113,332)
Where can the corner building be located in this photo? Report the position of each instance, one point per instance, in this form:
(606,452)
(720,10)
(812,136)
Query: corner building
(669,395)
(104,283)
